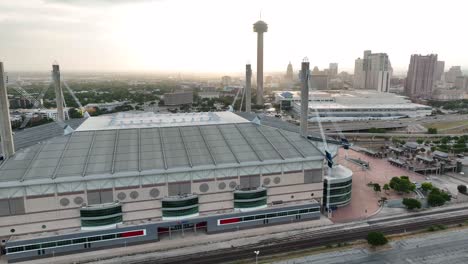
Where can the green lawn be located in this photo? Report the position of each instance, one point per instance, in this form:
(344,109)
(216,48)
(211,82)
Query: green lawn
(447,125)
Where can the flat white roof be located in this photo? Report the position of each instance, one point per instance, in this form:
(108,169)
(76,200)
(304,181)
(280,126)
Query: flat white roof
(124,120)
(313,105)
(339,172)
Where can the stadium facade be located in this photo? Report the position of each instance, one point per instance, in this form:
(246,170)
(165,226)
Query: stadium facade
(353,105)
(138,177)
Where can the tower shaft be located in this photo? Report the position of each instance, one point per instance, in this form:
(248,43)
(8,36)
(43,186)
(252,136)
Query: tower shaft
(248,88)
(58,92)
(304,98)
(8,146)
(260,68)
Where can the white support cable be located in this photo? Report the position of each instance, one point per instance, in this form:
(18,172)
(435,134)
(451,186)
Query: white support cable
(72,94)
(17,87)
(41,96)
(322,134)
(66,115)
(242,99)
(28,96)
(235,98)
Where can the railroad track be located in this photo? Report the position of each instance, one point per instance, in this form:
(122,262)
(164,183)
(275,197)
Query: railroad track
(301,242)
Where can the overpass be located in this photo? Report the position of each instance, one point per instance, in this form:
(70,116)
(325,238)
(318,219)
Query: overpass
(391,135)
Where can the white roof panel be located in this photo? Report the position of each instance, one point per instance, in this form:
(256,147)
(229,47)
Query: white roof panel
(124,120)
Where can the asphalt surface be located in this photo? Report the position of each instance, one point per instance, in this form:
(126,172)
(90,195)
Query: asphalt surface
(442,247)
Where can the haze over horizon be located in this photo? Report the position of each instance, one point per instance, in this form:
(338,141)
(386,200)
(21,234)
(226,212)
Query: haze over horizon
(183,36)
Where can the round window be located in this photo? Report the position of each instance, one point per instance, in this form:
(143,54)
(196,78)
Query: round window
(78,200)
(134,195)
(222,185)
(64,202)
(154,192)
(204,187)
(121,196)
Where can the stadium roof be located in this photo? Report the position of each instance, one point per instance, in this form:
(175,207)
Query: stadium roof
(114,152)
(31,136)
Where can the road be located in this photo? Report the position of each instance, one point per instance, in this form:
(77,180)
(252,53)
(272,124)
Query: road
(391,135)
(441,247)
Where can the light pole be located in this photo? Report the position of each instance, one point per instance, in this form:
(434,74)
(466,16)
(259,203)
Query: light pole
(256,256)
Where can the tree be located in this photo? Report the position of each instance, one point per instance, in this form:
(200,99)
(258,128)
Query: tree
(402,184)
(432,130)
(427,186)
(377,187)
(386,187)
(419,140)
(376,239)
(437,197)
(411,203)
(462,188)
(445,140)
(73,113)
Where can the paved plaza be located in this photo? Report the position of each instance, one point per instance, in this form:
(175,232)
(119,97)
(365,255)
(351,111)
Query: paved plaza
(364,201)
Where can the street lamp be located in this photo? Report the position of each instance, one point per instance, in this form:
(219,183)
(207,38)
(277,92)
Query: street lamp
(256,256)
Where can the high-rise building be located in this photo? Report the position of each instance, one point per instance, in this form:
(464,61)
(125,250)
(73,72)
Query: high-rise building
(461,82)
(373,72)
(260,27)
(289,72)
(453,73)
(318,79)
(333,69)
(226,80)
(439,71)
(359,74)
(420,78)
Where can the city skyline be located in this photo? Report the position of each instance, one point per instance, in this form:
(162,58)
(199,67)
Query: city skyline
(177,36)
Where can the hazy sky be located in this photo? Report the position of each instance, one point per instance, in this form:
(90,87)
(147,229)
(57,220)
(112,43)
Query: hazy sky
(217,35)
